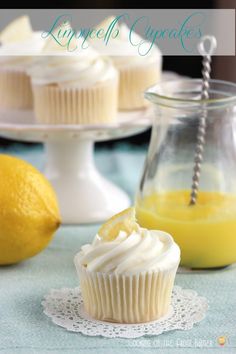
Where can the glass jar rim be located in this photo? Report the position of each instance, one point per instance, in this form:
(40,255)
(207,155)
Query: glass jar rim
(159,93)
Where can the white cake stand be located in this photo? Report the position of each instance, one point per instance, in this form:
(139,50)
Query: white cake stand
(84,194)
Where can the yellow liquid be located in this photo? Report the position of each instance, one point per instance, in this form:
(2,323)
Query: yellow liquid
(205,232)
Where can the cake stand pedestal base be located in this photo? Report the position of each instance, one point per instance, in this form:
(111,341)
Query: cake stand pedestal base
(84,195)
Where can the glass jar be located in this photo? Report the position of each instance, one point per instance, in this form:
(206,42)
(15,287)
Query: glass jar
(205,232)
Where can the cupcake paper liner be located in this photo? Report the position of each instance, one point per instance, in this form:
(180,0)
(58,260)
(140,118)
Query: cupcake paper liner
(92,105)
(15,90)
(126,298)
(133,83)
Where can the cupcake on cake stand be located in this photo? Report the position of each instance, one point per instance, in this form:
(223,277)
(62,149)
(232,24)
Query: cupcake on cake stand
(76,96)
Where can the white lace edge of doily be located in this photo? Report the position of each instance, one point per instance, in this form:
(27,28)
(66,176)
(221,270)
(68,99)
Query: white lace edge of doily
(152,328)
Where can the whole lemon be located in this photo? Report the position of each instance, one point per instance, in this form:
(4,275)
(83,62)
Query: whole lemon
(29,213)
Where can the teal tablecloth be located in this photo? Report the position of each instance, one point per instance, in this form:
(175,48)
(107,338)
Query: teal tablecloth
(25,329)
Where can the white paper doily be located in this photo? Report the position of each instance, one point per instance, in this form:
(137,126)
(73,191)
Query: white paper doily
(65,308)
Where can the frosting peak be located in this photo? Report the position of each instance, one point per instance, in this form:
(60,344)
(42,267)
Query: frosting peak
(123,49)
(19,55)
(81,68)
(142,250)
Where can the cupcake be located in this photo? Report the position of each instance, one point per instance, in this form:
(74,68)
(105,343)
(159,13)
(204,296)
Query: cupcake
(78,87)
(127,273)
(19,44)
(137,72)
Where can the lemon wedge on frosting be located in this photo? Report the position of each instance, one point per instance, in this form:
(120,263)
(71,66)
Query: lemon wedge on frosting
(106,23)
(64,44)
(125,221)
(18,30)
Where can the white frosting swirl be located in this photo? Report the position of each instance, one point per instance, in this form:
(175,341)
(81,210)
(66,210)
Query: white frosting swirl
(143,250)
(18,56)
(124,53)
(82,68)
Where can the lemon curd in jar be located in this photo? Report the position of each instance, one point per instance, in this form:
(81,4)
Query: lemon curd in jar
(205,232)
